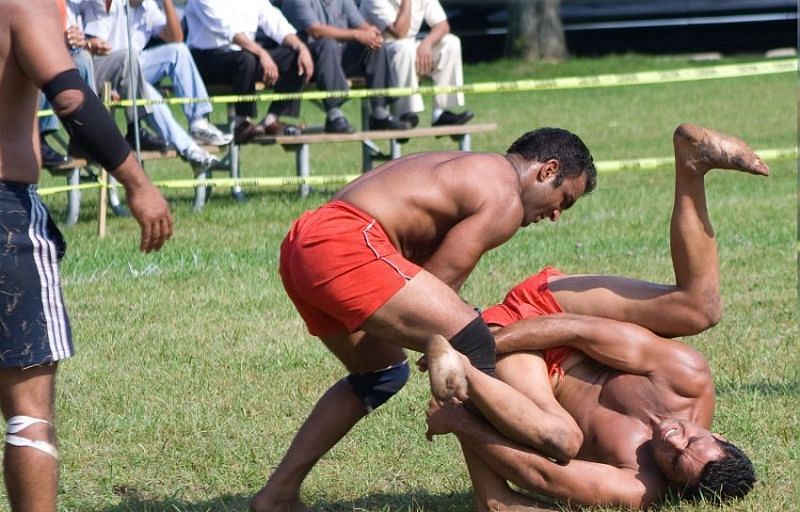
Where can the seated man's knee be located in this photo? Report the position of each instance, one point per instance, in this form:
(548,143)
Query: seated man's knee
(30,432)
(376,388)
(328,49)
(451,46)
(477,343)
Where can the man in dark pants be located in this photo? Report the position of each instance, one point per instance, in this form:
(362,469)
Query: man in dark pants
(224,47)
(342,42)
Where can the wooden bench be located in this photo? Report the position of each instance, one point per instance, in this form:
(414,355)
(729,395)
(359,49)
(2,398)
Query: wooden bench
(300,144)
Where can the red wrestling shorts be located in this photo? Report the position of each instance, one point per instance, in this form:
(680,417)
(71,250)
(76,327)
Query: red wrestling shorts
(338,266)
(532,298)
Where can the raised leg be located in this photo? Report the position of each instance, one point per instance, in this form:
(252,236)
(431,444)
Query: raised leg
(693,303)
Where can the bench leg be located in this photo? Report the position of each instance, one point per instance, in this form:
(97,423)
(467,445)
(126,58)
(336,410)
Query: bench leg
(303,165)
(73,197)
(396,148)
(236,190)
(200,192)
(465,143)
(113,198)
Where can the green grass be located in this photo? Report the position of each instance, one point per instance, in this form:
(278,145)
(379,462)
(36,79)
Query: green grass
(194,371)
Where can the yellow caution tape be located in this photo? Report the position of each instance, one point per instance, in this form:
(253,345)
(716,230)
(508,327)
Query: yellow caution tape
(274,182)
(547,84)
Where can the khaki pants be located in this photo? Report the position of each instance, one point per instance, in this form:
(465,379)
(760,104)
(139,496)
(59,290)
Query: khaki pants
(447,70)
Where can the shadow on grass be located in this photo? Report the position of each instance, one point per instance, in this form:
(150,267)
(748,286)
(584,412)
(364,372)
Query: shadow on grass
(381,502)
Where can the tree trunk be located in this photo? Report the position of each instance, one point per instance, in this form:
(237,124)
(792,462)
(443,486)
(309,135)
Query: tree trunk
(535,31)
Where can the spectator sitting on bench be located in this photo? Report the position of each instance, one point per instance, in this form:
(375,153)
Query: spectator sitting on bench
(437,55)
(76,44)
(343,43)
(174,60)
(223,43)
(112,65)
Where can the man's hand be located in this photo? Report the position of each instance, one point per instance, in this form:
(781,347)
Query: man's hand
(441,418)
(271,72)
(151,211)
(305,63)
(98,46)
(369,37)
(424,59)
(74,37)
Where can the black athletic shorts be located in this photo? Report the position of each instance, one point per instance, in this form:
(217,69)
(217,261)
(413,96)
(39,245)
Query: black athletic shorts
(34,327)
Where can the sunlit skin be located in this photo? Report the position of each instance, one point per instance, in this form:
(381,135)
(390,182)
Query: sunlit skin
(420,198)
(682,449)
(629,419)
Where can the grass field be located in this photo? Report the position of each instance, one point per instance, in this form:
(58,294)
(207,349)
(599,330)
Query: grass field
(194,371)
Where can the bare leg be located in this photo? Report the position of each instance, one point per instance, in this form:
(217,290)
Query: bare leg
(423,306)
(534,419)
(693,303)
(336,412)
(31,476)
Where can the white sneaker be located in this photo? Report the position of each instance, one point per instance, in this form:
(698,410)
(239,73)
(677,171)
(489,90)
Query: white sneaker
(204,132)
(199,158)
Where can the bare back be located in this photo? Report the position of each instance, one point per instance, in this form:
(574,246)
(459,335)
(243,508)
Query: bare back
(29,57)
(443,209)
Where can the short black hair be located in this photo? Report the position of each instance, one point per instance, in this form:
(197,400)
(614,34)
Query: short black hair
(730,477)
(572,154)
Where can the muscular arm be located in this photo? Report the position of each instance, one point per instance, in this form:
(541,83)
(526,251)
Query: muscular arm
(578,482)
(38,47)
(621,345)
(492,219)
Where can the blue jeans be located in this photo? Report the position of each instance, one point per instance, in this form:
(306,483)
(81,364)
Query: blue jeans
(174,60)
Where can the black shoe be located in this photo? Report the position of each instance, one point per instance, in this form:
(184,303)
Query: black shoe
(147,141)
(411,118)
(51,157)
(388,123)
(338,125)
(452,119)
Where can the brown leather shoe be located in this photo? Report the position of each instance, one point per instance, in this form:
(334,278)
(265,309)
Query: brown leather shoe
(246,131)
(278,128)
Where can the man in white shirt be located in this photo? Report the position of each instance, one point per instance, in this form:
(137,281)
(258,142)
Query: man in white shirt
(437,55)
(173,60)
(224,46)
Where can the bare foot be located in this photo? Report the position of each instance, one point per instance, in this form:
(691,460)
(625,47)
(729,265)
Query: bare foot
(446,370)
(702,149)
(263,503)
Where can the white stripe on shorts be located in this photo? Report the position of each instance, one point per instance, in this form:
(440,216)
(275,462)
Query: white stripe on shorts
(45,256)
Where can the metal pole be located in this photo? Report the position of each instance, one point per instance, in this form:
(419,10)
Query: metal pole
(131,81)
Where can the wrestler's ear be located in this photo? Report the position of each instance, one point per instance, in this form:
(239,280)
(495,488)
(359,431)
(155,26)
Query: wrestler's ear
(548,170)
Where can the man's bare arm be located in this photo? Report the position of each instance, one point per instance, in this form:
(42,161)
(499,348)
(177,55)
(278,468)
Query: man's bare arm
(621,345)
(578,482)
(40,50)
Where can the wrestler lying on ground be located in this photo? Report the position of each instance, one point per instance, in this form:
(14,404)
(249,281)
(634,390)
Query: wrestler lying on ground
(628,415)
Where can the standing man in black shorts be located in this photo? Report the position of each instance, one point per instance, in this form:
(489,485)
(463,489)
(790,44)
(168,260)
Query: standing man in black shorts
(34,328)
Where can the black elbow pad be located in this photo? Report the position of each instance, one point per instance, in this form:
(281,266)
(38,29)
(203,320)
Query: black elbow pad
(89,125)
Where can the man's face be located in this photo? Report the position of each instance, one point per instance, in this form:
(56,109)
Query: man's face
(542,200)
(682,449)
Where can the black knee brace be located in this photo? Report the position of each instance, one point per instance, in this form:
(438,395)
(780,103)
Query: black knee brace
(375,388)
(90,125)
(477,343)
